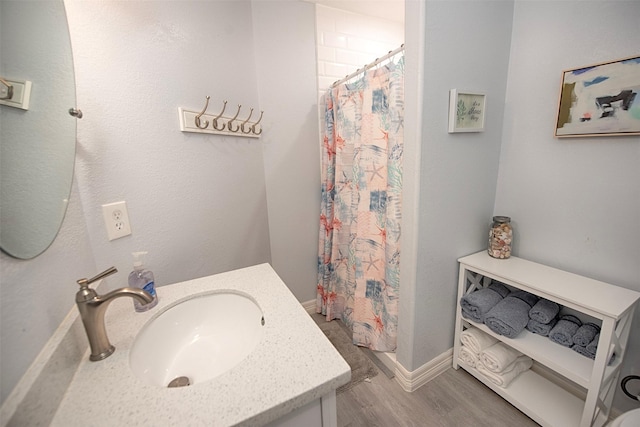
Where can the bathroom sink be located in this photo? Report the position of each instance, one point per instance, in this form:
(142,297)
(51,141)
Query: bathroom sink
(198,338)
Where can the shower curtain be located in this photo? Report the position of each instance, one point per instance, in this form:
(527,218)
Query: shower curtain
(359,249)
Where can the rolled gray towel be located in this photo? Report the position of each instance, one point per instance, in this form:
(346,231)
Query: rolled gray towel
(592,347)
(525,296)
(510,316)
(544,311)
(585,334)
(590,352)
(541,328)
(564,330)
(475,305)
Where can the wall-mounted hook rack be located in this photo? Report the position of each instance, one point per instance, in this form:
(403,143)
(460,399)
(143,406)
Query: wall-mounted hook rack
(202,122)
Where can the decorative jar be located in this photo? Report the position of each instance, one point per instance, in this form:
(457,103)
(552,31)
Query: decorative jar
(500,237)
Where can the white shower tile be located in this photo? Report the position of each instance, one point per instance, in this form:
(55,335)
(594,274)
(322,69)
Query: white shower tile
(334,39)
(326,53)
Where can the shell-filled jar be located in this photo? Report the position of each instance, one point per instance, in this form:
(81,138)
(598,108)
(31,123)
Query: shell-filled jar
(500,237)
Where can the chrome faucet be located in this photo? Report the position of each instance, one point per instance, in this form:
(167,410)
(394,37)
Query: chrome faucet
(92,308)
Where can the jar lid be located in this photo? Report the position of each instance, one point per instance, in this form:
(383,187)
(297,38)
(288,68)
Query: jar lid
(501,219)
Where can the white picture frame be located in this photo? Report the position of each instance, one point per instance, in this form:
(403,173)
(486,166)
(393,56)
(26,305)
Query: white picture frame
(466,111)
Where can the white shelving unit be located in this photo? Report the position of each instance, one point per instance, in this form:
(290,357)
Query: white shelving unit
(567,389)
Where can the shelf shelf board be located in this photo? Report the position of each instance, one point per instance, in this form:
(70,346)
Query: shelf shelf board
(563,360)
(543,401)
(600,298)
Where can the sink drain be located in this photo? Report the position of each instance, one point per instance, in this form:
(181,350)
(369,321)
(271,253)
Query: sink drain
(179,382)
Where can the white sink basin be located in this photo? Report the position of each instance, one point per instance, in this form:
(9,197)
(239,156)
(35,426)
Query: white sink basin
(199,338)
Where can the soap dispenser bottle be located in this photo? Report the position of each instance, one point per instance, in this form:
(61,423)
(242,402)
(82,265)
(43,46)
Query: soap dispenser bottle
(142,279)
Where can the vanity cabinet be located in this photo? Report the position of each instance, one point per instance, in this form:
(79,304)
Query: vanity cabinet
(563,388)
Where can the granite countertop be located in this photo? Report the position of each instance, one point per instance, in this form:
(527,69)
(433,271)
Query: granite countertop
(294,364)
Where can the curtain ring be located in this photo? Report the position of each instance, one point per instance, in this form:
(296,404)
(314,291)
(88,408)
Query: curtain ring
(206,123)
(215,119)
(229,126)
(245,122)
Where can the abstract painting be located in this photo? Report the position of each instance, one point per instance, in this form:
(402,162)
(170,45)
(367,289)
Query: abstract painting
(600,100)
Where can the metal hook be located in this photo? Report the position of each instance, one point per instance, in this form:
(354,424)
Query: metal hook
(253,128)
(215,120)
(206,123)
(9,86)
(229,126)
(245,122)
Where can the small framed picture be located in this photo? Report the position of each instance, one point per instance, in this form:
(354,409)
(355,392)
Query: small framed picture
(600,100)
(466,111)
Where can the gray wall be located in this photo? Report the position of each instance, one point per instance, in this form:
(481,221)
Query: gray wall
(286,68)
(466,46)
(575,203)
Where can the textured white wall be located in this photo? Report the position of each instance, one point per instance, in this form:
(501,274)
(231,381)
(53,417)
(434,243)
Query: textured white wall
(36,295)
(574,203)
(196,202)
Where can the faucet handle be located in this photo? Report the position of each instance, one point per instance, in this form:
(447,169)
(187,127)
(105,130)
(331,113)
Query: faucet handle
(86,282)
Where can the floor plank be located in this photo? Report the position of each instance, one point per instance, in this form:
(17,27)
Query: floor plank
(453,399)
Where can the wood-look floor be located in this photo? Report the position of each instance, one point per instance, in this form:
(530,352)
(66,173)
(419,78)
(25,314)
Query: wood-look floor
(453,399)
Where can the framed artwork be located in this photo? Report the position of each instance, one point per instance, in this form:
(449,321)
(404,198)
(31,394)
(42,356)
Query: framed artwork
(466,111)
(600,100)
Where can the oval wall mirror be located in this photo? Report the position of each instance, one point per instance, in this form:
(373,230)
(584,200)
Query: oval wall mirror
(37,145)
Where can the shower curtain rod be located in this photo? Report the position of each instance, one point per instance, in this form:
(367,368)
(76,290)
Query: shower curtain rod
(368,66)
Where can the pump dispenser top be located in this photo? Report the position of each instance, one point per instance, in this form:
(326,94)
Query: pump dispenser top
(142,279)
(137,262)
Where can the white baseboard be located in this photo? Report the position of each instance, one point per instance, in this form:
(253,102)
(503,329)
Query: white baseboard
(412,380)
(309,306)
(408,380)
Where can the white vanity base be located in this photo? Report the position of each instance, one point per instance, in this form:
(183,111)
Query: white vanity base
(319,413)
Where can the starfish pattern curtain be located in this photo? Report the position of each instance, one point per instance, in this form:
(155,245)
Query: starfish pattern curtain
(359,233)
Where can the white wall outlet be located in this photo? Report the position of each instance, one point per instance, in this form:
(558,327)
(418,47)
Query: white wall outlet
(116,219)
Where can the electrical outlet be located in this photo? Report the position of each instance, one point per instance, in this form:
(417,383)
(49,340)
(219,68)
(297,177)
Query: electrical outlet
(116,219)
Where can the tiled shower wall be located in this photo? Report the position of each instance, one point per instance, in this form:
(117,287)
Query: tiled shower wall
(347,41)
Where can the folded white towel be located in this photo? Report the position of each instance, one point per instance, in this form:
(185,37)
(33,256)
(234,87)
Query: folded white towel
(498,357)
(504,378)
(476,340)
(467,356)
